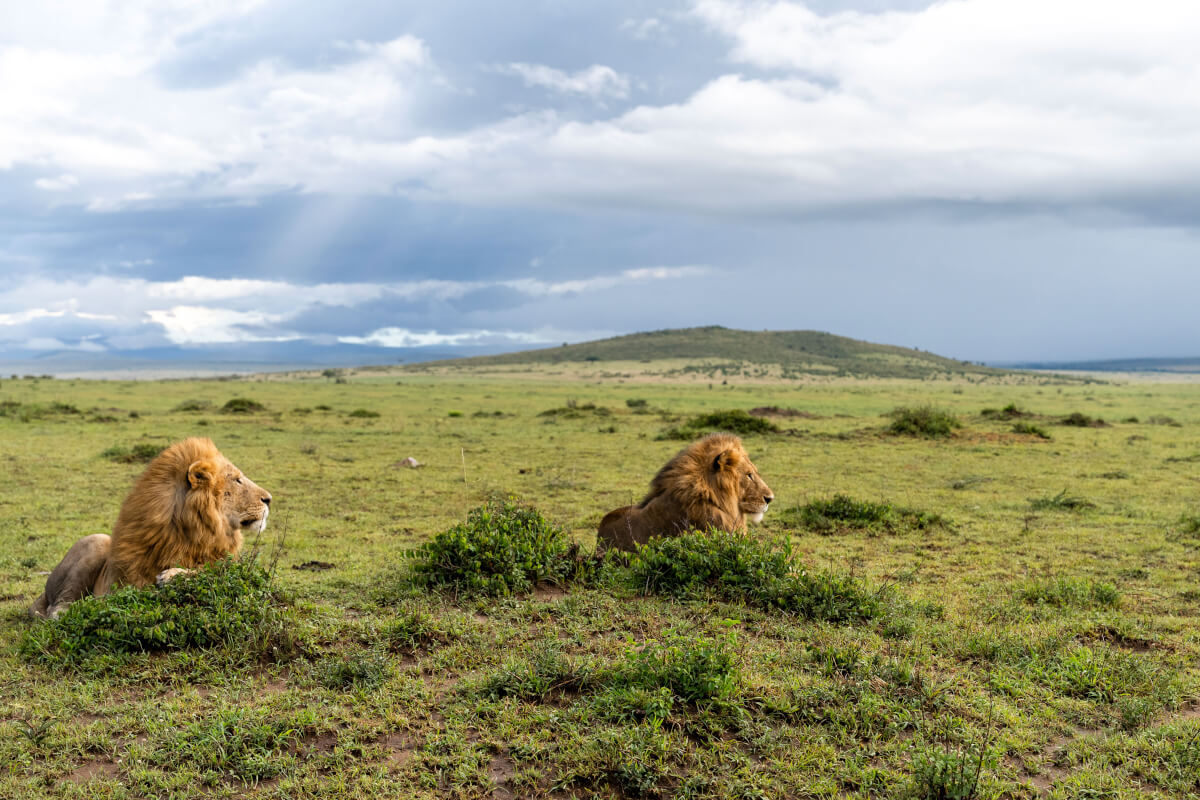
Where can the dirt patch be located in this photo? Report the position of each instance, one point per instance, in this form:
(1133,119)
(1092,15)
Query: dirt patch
(548,592)
(92,770)
(400,749)
(501,770)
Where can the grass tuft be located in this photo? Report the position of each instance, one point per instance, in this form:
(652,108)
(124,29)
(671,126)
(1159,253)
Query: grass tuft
(924,421)
(243,405)
(841,512)
(1031,430)
(731,421)
(138,453)
(1061,502)
(1066,592)
(739,569)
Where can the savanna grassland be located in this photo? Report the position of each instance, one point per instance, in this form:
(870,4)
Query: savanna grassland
(1005,606)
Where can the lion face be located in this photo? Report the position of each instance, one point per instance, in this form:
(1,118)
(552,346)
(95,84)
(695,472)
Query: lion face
(243,502)
(753,493)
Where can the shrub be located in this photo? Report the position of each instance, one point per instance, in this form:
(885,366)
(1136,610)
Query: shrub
(739,569)
(573,410)
(694,670)
(503,547)
(363,413)
(1060,502)
(229,604)
(1032,430)
(193,405)
(1010,411)
(636,402)
(131,455)
(242,405)
(731,421)
(1078,420)
(841,512)
(925,421)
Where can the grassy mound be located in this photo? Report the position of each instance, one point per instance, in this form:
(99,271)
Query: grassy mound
(841,512)
(243,405)
(228,604)
(731,421)
(503,547)
(739,569)
(138,453)
(924,421)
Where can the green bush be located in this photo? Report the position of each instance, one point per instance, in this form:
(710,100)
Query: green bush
(1060,502)
(736,568)
(925,421)
(132,455)
(694,670)
(1030,429)
(193,405)
(503,547)
(1078,420)
(841,512)
(242,405)
(227,604)
(363,413)
(731,421)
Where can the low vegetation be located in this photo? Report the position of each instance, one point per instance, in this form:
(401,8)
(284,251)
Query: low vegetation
(732,421)
(930,635)
(924,421)
(841,512)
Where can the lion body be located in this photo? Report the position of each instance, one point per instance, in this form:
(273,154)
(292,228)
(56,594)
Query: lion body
(712,483)
(189,507)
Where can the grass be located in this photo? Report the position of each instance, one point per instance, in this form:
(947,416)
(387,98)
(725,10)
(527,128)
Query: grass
(1010,651)
(1063,501)
(138,453)
(730,421)
(923,421)
(841,512)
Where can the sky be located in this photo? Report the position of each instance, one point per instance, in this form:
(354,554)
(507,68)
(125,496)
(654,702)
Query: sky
(992,180)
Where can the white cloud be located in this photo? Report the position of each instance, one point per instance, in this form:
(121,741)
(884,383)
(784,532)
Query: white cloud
(134,312)
(644,28)
(968,101)
(595,81)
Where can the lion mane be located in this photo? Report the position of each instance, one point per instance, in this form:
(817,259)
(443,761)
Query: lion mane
(710,484)
(190,506)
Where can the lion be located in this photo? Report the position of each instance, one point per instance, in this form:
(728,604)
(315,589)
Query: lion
(190,506)
(709,484)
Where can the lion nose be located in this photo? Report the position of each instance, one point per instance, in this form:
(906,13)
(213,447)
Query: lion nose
(267,500)
(768,499)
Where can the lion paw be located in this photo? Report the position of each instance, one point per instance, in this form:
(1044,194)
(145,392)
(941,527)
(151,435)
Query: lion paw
(167,575)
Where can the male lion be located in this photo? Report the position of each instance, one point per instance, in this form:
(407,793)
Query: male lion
(189,507)
(710,484)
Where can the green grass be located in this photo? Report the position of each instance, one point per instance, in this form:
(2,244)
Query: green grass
(1013,650)
(730,421)
(923,421)
(840,513)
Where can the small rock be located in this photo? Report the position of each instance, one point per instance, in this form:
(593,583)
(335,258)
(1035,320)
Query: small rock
(410,462)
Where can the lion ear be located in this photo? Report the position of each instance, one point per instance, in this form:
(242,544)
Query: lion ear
(202,473)
(722,460)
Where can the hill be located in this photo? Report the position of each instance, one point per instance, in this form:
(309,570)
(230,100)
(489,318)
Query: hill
(794,351)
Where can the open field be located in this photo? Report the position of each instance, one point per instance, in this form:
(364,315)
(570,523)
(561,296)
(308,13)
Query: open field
(1043,634)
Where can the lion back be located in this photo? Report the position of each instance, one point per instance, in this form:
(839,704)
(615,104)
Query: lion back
(172,516)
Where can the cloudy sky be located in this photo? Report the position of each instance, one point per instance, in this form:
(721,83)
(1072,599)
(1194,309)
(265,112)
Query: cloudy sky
(986,179)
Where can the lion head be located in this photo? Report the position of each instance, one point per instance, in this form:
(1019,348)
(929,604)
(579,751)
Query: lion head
(712,483)
(190,506)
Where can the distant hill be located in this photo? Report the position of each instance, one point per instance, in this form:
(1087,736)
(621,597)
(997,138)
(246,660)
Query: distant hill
(794,351)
